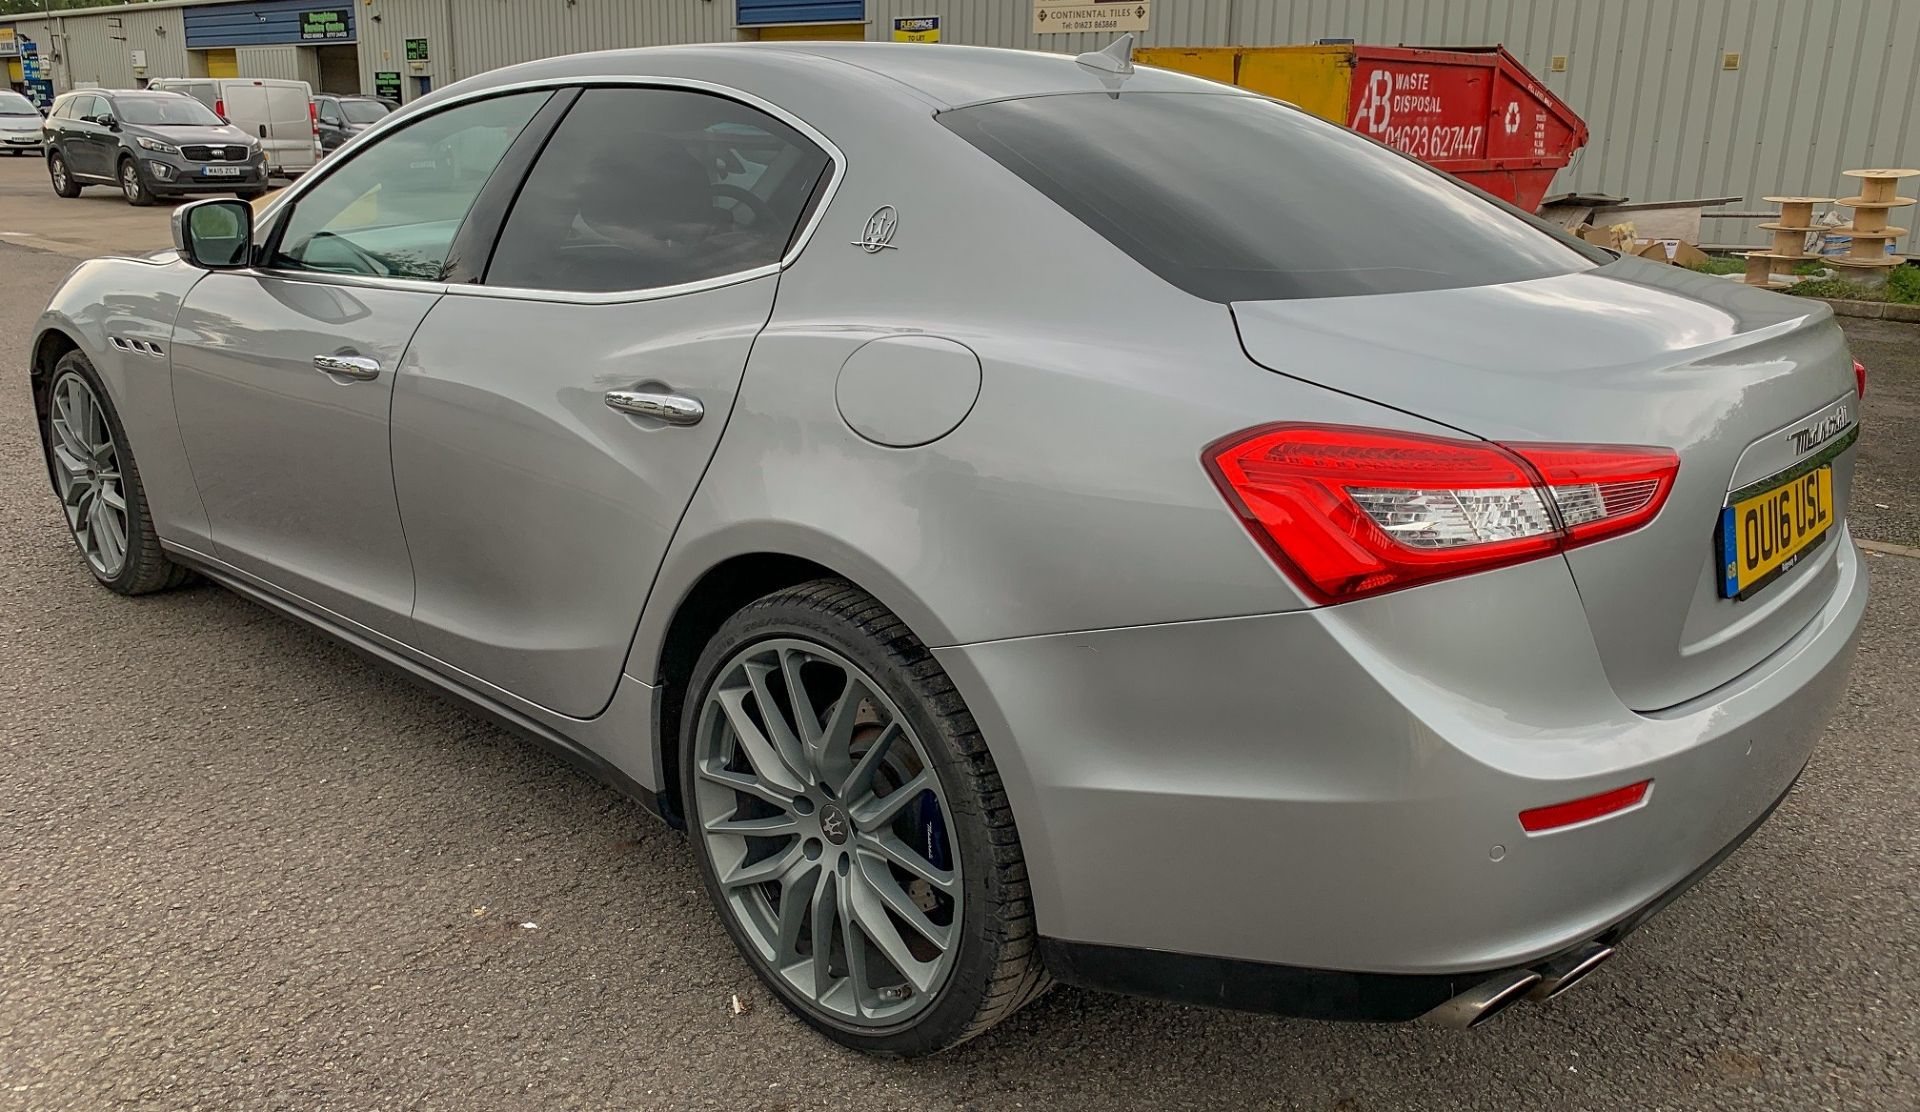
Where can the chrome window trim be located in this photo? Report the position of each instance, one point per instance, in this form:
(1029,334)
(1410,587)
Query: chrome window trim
(616,297)
(315,177)
(325,278)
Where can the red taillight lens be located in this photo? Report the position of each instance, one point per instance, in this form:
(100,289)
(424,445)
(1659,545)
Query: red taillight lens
(1539,820)
(1349,512)
(1601,490)
(1860,377)
(220,109)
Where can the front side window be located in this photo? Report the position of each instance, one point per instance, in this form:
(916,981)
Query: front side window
(329,112)
(362,111)
(393,211)
(641,188)
(165,110)
(1236,198)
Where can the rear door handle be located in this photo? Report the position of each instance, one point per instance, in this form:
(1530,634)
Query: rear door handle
(349,366)
(674,409)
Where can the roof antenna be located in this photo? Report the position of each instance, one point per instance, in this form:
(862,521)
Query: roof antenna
(1116,58)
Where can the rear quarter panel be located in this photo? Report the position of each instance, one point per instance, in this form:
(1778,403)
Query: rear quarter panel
(1073,495)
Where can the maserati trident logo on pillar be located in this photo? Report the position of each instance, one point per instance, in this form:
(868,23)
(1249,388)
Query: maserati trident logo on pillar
(878,235)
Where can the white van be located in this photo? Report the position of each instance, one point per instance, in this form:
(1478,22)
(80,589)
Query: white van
(277,112)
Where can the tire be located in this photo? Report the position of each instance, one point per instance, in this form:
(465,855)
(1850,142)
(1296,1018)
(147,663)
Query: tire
(142,567)
(938,772)
(133,185)
(64,183)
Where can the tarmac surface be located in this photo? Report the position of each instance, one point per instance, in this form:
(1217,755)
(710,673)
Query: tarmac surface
(242,869)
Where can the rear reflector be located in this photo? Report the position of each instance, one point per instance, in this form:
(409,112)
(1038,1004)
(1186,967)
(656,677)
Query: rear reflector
(1349,512)
(1576,811)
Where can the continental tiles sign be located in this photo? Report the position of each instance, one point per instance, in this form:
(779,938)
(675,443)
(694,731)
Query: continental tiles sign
(1050,18)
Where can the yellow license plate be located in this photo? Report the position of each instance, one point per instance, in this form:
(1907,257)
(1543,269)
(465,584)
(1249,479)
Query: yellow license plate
(1764,535)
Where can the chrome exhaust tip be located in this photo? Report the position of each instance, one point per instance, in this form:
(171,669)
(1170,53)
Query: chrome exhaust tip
(1483,1001)
(1558,976)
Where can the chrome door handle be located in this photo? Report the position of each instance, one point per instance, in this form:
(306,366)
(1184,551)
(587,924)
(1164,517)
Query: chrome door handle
(352,366)
(674,409)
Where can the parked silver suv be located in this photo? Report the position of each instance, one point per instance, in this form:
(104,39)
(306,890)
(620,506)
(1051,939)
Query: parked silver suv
(150,144)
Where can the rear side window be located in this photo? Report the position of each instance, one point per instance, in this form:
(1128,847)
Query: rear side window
(1235,198)
(642,188)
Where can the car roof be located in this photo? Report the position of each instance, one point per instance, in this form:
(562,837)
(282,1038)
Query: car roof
(950,76)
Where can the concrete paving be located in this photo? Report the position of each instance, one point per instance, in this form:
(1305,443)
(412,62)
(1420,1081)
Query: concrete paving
(242,869)
(96,222)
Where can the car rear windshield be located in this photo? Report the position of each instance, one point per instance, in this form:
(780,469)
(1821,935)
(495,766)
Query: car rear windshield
(171,110)
(362,111)
(1236,198)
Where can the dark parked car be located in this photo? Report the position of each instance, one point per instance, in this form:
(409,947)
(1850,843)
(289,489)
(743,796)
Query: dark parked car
(19,124)
(339,118)
(151,145)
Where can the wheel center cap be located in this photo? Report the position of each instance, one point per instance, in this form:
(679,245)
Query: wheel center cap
(834,825)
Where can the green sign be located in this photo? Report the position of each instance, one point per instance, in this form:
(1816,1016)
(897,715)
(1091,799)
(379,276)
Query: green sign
(386,84)
(416,50)
(330,24)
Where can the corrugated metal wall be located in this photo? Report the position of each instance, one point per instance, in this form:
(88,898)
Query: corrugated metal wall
(94,50)
(279,62)
(1822,85)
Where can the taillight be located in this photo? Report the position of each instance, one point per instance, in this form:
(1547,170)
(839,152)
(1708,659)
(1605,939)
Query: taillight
(1348,511)
(220,108)
(1860,378)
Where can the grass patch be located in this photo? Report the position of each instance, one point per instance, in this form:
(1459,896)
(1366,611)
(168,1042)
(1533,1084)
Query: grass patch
(1902,288)
(1720,266)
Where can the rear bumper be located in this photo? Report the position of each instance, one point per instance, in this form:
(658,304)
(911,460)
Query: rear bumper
(1316,993)
(1338,789)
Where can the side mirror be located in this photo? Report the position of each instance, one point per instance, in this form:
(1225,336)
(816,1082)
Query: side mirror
(110,123)
(215,234)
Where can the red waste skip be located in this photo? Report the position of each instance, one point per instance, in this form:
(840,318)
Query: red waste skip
(1476,113)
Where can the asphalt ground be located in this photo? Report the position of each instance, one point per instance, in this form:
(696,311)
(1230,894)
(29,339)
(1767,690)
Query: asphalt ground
(242,869)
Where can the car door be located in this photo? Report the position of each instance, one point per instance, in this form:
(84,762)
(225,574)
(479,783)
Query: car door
(331,124)
(86,135)
(553,421)
(283,374)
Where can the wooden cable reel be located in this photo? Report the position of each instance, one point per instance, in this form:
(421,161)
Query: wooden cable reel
(1872,235)
(1768,268)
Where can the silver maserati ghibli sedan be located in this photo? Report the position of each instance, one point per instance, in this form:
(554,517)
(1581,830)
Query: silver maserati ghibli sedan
(1028,519)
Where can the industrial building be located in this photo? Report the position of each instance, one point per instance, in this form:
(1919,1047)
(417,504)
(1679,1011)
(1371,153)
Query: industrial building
(1684,98)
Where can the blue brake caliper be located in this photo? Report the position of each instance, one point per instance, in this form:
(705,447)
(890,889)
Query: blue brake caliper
(933,831)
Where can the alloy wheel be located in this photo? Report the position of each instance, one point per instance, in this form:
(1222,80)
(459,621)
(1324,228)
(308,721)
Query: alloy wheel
(828,832)
(130,181)
(59,172)
(86,473)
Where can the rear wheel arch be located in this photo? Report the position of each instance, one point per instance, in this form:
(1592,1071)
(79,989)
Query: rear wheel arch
(730,582)
(719,593)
